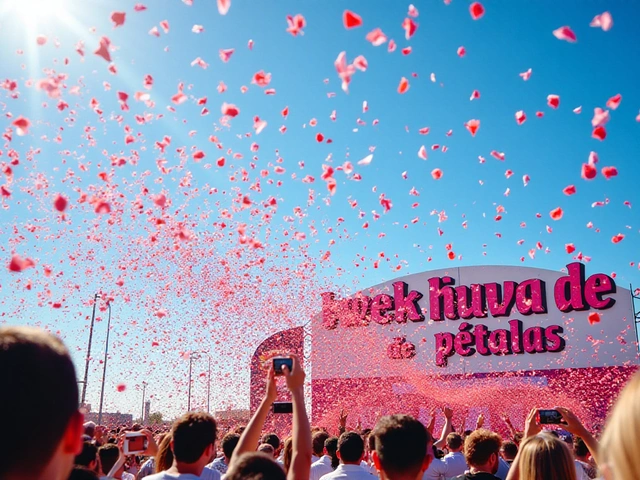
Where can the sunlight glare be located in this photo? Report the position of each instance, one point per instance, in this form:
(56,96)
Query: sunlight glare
(38,11)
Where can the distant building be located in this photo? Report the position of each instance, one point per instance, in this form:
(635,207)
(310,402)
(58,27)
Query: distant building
(234,415)
(110,418)
(147,412)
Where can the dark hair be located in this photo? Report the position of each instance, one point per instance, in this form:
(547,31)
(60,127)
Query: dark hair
(579,447)
(255,466)
(82,473)
(272,439)
(37,375)
(454,441)
(480,445)
(401,444)
(192,433)
(317,442)
(331,444)
(229,443)
(108,454)
(88,454)
(350,447)
(510,449)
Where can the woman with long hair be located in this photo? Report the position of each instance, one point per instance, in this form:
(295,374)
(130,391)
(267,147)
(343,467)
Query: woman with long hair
(545,457)
(164,457)
(619,458)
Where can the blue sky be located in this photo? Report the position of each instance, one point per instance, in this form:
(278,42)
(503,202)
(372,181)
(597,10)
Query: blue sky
(209,301)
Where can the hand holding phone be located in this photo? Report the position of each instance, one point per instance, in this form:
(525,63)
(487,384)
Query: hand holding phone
(279,362)
(134,442)
(282,407)
(550,417)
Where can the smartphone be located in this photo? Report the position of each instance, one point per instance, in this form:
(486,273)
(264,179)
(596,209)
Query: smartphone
(278,363)
(282,407)
(134,442)
(550,417)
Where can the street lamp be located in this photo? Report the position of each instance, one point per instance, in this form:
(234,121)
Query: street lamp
(104,369)
(144,389)
(192,356)
(86,366)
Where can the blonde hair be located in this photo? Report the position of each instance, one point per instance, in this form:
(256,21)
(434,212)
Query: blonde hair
(164,457)
(545,457)
(622,434)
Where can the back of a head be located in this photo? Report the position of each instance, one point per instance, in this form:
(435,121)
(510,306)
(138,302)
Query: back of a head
(317,442)
(580,448)
(108,454)
(266,449)
(545,457)
(480,445)
(510,450)
(401,445)
(331,444)
(82,473)
(454,441)
(272,439)
(350,447)
(192,433)
(88,454)
(89,429)
(37,375)
(622,434)
(229,443)
(255,466)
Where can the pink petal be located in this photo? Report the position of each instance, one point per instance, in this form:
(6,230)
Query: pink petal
(565,33)
(614,102)
(472,126)
(604,21)
(553,101)
(118,19)
(223,6)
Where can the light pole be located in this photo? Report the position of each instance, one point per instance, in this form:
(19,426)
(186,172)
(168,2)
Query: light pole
(209,386)
(144,390)
(104,369)
(86,366)
(192,356)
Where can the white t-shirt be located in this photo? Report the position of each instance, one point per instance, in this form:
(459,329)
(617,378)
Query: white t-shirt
(437,470)
(207,474)
(355,472)
(125,476)
(456,464)
(320,468)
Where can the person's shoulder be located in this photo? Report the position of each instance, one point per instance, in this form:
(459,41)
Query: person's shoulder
(210,473)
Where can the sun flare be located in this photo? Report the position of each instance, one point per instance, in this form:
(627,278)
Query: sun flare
(36,12)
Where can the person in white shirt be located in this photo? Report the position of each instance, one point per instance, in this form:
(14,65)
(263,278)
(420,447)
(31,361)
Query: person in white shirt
(454,460)
(228,444)
(325,464)
(350,452)
(317,445)
(193,439)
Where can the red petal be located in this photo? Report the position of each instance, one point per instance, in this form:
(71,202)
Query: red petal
(351,20)
(476,10)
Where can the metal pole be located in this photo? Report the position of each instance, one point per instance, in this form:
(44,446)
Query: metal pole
(189,400)
(209,388)
(104,370)
(86,366)
(144,389)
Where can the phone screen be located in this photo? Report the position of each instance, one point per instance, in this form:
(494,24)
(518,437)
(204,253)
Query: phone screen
(283,407)
(136,443)
(279,362)
(550,417)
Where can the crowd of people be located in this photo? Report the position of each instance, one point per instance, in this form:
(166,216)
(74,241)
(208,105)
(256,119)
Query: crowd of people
(37,374)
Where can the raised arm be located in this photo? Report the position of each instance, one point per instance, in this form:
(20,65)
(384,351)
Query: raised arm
(251,435)
(531,428)
(507,421)
(432,422)
(574,426)
(342,422)
(447,429)
(301,454)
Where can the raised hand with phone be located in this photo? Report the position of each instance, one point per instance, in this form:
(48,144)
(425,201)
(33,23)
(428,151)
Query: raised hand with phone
(288,367)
